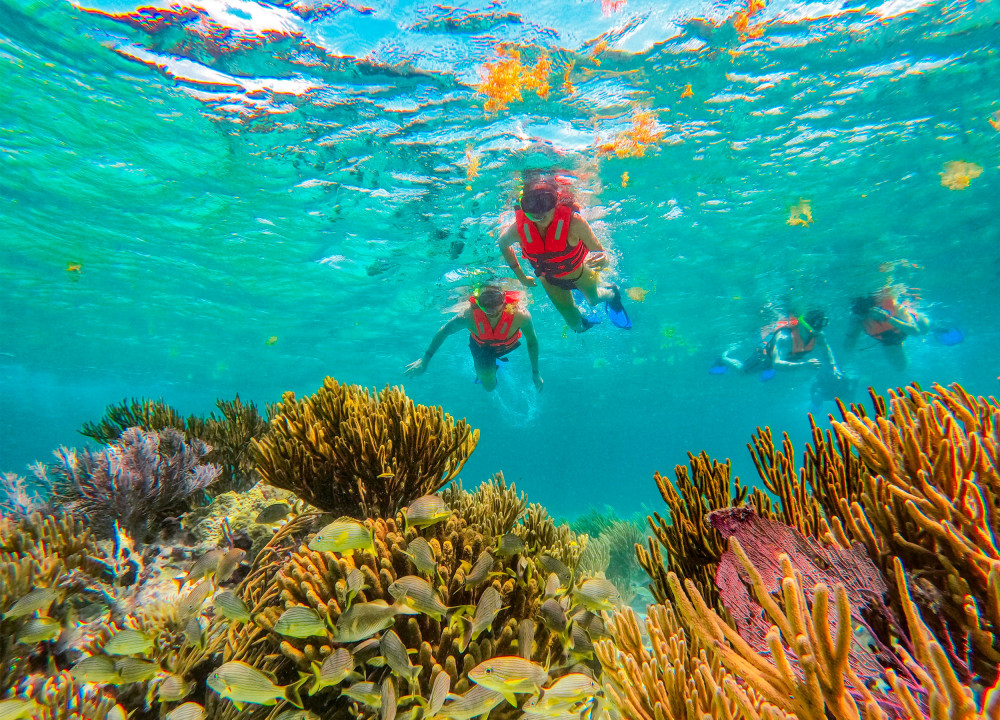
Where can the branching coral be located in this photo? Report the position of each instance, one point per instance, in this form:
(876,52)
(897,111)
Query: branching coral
(345,448)
(693,548)
(540,532)
(145,477)
(493,508)
(17,497)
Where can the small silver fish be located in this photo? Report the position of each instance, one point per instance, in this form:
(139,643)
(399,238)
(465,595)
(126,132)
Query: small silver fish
(525,638)
(360,622)
(232,607)
(343,535)
(205,565)
(509,675)
(550,564)
(38,629)
(96,669)
(597,594)
(480,571)
(228,564)
(238,682)
(477,701)
(300,622)
(366,693)
(133,670)
(487,609)
(273,513)
(426,511)
(418,594)
(337,667)
(553,616)
(510,545)
(186,711)
(419,551)
(388,699)
(439,693)
(174,688)
(191,603)
(397,658)
(38,599)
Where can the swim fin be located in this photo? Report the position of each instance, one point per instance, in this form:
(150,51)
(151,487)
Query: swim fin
(949,336)
(718,368)
(589,314)
(616,311)
(766,375)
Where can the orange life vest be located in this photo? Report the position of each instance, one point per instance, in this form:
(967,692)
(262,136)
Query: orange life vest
(494,336)
(883,329)
(550,256)
(769,335)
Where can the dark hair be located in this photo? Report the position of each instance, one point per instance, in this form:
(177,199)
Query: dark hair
(539,196)
(816,319)
(861,305)
(490,296)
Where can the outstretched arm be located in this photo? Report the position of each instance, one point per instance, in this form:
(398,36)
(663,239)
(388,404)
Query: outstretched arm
(451,327)
(828,351)
(531,341)
(507,240)
(908,321)
(783,348)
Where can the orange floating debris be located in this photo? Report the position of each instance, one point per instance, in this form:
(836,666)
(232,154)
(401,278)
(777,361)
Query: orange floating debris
(637,294)
(634,141)
(957,174)
(625,179)
(471,164)
(687,92)
(800,213)
(74,267)
(503,81)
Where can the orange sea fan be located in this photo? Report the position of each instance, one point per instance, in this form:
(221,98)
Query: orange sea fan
(504,80)
(957,174)
(634,141)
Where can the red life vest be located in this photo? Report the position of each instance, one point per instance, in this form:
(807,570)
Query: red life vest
(883,329)
(769,336)
(494,336)
(550,256)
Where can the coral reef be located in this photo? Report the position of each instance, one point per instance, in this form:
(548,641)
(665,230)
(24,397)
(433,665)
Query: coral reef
(493,508)
(134,484)
(539,531)
(693,548)
(345,448)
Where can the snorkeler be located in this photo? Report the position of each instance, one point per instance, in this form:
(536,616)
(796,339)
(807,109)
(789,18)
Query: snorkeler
(888,316)
(496,323)
(557,241)
(790,343)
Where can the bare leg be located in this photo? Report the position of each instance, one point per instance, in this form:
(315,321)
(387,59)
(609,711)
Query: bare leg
(563,300)
(592,288)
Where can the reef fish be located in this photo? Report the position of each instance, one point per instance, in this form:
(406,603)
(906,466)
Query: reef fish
(487,609)
(366,693)
(439,693)
(388,709)
(509,675)
(133,670)
(38,629)
(343,535)
(425,511)
(300,622)
(205,565)
(510,545)
(232,607)
(96,669)
(397,658)
(525,638)
(418,594)
(273,513)
(243,685)
(337,667)
(552,615)
(187,711)
(550,564)
(37,599)
(191,603)
(563,693)
(174,688)
(419,550)
(228,564)
(360,622)
(355,584)
(17,709)
(477,701)
(480,571)
(597,594)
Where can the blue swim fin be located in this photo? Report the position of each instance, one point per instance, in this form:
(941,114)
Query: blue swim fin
(616,311)
(718,368)
(949,336)
(766,375)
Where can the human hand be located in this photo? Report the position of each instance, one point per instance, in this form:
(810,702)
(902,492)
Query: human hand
(538,381)
(812,362)
(415,368)
(527,281)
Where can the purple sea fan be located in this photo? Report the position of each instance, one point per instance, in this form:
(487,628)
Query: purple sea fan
(140,480)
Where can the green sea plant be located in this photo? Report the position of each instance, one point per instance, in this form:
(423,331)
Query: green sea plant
(133,484)
(347,450)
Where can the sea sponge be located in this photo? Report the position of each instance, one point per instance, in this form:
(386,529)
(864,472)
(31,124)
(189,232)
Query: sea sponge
(345,448)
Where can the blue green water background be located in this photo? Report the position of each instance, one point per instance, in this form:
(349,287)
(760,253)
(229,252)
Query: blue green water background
(172,201)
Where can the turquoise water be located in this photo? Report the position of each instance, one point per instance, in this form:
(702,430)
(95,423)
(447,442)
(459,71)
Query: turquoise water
(178,189)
